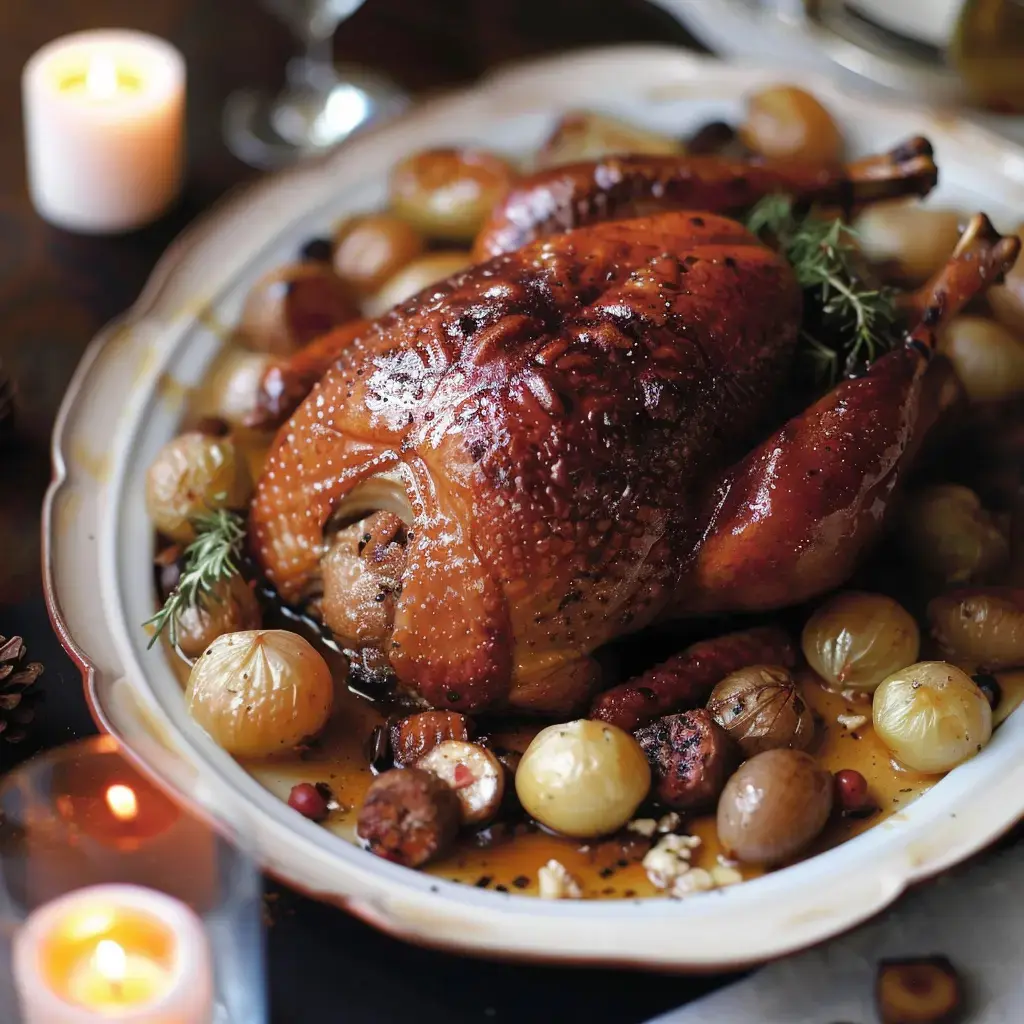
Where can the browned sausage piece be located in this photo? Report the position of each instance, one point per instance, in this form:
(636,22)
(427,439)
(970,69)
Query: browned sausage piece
(409,816)
(686,680)
(416,735)
(691,758)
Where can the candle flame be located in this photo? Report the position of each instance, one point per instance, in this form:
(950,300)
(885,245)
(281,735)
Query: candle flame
(101,77)
(123,803)
(110,961)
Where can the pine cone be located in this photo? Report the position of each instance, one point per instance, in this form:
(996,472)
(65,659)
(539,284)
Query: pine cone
(15,679)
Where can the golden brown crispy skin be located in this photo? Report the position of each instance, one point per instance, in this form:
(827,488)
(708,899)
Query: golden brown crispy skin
(558,427)
(550,418)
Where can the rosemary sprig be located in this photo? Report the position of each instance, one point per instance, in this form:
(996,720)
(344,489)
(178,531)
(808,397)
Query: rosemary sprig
(209,559)
(853,321)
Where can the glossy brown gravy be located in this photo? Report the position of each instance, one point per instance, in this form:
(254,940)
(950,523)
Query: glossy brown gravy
(507,858)
(608,868)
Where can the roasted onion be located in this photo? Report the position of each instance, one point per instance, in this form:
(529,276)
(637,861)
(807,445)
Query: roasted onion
(289,307)
(583,778)
(931,716)
(854,640)
(447,193)
(260,692)
(592,136)
(421,272)
(909,241)
(952,536)
(987,356)
(761,708)
(192,474)
(229,608)
(371,249)
(980,627)
(787,123)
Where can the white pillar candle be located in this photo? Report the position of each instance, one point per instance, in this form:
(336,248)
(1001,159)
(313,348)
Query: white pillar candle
(104,129)
(114,953)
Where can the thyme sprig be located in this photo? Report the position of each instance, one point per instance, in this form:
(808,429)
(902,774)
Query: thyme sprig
(211,558)
(851,322)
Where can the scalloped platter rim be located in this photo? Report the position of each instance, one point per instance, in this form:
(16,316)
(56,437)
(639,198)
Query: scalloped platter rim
(126,398)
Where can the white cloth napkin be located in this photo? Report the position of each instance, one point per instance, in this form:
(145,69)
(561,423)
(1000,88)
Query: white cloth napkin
(975,917)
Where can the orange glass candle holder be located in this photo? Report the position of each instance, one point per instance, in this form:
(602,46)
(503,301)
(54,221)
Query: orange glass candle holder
(118,904)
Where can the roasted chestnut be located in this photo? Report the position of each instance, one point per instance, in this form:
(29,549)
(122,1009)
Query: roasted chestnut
(980,626)
(774,807)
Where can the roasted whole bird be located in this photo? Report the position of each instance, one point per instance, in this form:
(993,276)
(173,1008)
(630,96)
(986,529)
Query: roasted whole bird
(585,434)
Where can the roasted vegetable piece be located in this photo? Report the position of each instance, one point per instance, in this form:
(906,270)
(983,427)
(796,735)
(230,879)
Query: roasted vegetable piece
(583,778)
(909,242)
(370,250)
(931,716)
(415,735)
(787,123)
(980,626)
(260,692)
(686,680)
(854,640)
(590,136)
(774,806)
(193,474)
(952,536)
(473,772)
(691,756)
(229,608)
(988,357)
(447,193)
(422,272)
(921,990)
(761,708)
(409,816)
(291,306)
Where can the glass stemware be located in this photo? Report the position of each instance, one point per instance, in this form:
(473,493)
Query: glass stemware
(321,105)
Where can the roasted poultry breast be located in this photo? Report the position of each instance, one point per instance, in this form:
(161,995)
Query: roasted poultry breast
(583,434)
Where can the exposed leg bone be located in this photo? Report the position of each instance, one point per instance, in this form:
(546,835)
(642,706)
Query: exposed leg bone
(793,518)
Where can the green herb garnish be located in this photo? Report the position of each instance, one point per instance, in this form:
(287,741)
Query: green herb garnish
(853,321)
(209,559)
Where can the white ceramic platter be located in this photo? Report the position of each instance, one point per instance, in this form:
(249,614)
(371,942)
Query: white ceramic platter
(126,400)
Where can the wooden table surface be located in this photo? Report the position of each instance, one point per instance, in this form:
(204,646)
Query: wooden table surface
(57,290)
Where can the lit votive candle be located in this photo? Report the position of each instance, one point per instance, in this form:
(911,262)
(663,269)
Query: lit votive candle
(104,129)
(114,953)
